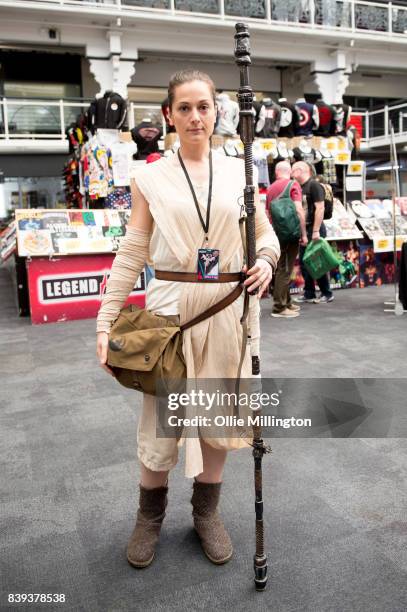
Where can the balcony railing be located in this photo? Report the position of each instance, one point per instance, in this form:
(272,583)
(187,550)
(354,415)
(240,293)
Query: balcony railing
(48,119)
(37,120)
(377,122)
(346,15)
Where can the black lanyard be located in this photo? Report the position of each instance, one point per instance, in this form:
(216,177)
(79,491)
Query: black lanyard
(205,226)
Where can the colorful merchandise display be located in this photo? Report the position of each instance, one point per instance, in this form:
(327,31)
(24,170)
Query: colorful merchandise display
(100,162)
(59,232)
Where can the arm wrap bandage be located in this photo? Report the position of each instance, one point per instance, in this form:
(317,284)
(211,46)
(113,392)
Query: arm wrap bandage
(127,266)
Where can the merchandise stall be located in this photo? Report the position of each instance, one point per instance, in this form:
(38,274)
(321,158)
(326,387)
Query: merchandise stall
(375,218)
(67,255)
(63,256)
(331,158)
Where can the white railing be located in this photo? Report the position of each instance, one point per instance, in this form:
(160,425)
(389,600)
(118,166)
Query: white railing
(348,15)
(49,119)
(378,122)
(38,120)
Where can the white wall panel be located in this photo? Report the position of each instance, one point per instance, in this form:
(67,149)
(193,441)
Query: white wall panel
(156,72)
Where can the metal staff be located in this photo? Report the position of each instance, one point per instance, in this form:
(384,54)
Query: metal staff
(245,99)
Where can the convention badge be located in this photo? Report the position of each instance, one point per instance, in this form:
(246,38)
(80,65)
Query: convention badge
(208,264)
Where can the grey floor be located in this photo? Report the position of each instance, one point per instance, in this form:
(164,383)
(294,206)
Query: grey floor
(335,509)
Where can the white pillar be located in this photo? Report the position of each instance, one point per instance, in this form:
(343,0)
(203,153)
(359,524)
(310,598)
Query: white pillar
(112,66)
(331,74)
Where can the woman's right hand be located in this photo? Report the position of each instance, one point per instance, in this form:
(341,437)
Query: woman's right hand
(102,340)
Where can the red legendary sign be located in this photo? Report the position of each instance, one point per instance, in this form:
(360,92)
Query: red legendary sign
(71,287)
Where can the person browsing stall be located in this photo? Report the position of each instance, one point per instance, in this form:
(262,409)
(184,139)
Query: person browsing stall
(284,200)
(313,195)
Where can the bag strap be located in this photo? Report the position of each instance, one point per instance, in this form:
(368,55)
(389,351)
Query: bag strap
(286,192)
(215,308)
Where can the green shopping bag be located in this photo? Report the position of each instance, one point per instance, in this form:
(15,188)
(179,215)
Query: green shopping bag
(319,258)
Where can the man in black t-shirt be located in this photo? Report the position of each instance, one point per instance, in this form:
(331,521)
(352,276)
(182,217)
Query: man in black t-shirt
(313,195)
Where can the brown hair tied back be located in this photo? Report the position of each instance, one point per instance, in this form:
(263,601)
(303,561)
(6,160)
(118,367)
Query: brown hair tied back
(186,76)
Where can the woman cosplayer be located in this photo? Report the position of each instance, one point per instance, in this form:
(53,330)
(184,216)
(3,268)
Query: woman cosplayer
(166,228)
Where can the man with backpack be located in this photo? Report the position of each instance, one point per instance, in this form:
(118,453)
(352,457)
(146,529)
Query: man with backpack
(317,207)
(284,201)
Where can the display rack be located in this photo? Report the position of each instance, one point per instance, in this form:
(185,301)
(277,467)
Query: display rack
(68,255)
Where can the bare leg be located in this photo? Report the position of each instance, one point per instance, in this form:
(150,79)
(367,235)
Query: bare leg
(150,479)
(213,462)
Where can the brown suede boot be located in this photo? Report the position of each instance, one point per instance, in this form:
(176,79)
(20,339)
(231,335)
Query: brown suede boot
(208,524)
(150,515)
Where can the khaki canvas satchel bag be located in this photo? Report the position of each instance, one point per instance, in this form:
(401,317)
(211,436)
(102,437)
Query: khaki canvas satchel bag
(145,347)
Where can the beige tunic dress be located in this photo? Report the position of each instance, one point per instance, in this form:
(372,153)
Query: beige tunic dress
(212,348)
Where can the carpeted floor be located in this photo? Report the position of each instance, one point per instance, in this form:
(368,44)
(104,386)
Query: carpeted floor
(335,509)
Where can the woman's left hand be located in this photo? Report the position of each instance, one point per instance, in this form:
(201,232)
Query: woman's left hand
(259,276)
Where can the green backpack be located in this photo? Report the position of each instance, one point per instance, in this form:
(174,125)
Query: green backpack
(284,217)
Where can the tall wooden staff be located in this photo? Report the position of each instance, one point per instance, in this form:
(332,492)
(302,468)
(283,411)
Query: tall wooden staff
(245,99)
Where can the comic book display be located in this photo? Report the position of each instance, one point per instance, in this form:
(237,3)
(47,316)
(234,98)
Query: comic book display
(375,218)
(69,232)
(342,225)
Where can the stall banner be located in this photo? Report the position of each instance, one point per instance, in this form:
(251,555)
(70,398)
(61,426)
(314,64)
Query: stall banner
(66,289)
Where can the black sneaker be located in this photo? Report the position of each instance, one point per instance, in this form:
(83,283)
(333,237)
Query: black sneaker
(303,300)
(324,299)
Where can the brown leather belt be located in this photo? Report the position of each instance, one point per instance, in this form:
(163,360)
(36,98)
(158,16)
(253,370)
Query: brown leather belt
(192,277)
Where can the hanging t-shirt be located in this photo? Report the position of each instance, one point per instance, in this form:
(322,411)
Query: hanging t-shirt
(307,113)
(329,170)
(257,108)
(262,167)
(271,112)
(119,199)
(100,179)
(289,120)
(307,156)
(121,159)
(146,136)
(109,111)
(327,124)
(342,116)
(228,116)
